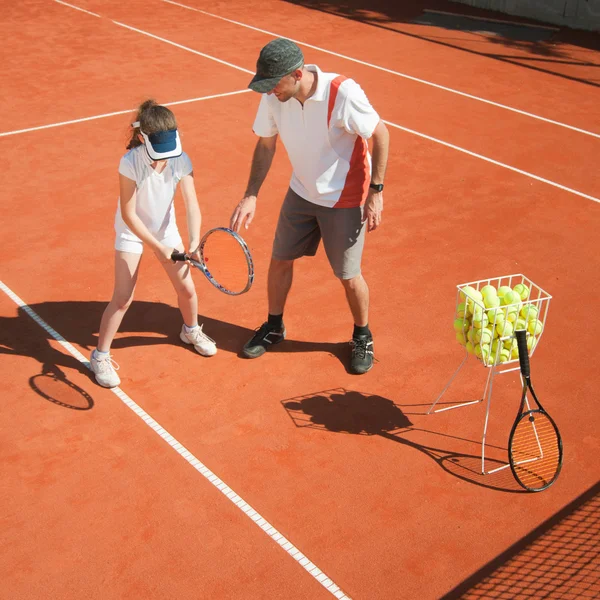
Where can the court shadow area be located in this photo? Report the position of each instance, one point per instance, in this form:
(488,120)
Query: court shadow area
(351,412)
(146,323)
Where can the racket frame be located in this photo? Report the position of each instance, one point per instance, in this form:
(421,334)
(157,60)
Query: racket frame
(201,265)
(530,414)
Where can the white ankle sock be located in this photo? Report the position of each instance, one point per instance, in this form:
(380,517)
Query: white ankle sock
(189,329)
(99,354)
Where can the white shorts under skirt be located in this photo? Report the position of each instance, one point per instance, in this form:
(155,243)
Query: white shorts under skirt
(137,247)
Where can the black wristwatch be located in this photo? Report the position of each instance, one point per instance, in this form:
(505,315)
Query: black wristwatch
(378,187)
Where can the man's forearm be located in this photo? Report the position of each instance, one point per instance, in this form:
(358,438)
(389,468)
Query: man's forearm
(381,147)
(261,163)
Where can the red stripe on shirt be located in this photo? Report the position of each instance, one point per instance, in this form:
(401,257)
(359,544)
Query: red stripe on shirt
(334,87)
(356,186)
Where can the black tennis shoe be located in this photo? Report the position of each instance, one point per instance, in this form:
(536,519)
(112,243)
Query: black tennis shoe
(264,337)
(362,354)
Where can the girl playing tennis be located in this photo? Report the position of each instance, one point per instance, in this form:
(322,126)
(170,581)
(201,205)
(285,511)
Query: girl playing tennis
(148,177)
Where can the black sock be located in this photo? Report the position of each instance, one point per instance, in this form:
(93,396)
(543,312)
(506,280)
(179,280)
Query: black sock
(276,321)
(361,330)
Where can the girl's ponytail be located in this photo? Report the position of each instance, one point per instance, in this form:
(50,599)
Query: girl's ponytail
(152,118)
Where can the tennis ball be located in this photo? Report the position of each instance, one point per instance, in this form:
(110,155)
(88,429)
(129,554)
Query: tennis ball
(512,313)
(488,290)
(470,348)
(514,352)
(522,290)
(520,323)
(528,312)
(482,351)
(531,343)
(502,290)
(504,328)
(460,325)
(495,315)
(482,335)
(460,338)
(460,310)
(471,292)
(504,355)
(510,297)
(480,320)
(535,327)
(491,301)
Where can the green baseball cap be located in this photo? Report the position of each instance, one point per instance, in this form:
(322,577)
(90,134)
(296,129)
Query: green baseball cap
(277,59)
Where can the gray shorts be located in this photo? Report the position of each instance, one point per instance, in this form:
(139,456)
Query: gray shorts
(302,224)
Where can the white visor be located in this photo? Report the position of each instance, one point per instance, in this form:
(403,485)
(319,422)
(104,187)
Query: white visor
(161,145)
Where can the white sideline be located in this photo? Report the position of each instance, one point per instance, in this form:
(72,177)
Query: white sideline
(285,544)
(119,112)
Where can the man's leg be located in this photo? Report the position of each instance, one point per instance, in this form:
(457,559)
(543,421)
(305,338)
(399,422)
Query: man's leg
(297,235)
(343,237)
(357,294)
(281,273)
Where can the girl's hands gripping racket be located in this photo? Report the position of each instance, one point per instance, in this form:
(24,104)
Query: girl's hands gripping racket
(534,447)
(231,269)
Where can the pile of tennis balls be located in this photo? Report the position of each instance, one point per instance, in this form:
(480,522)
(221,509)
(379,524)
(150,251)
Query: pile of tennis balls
(486,321)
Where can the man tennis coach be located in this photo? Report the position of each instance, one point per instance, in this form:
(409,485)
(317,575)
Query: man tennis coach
(324,120)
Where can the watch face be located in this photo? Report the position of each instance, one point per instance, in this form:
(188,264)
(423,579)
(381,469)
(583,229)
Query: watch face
(377,186)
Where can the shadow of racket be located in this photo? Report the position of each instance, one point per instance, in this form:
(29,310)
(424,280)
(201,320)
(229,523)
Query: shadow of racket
(53,385)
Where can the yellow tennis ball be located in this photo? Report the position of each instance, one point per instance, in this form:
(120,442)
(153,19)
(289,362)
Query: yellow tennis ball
(482,351)
(488,290)
(470,292)
(514,352)
(522,290)
(531,343)
(510,297)
(482,335)
(535,327)
(460,338)
(502,290)
(460,325)
(520,323)
(491,301)
(461,310)
(504,328)
(470,348)
(512,313)
(504,355)
(480,320)
(528,312)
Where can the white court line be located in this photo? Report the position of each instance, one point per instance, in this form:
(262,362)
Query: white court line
(490,160)
(360,62)
(298,556)
(78,8)
(223,62)
(119,112)
(494,162)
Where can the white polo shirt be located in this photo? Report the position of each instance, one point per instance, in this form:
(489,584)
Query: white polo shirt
(154,193)
(325,139)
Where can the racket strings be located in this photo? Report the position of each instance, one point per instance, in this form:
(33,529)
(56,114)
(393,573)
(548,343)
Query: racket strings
(535,451)
(226,261)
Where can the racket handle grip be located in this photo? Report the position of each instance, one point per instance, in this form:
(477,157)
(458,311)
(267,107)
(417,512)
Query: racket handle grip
(521,335)
(178,256)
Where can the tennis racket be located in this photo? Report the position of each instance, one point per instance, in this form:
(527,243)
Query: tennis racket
(534,447)
(231,269)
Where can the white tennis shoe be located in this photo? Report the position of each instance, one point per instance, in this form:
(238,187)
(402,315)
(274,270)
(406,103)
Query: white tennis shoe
(105,369)
(201,342)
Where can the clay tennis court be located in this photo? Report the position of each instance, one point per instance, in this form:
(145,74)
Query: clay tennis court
(288,477)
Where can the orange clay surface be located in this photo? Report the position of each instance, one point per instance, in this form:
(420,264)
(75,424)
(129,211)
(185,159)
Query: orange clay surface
(387,501)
